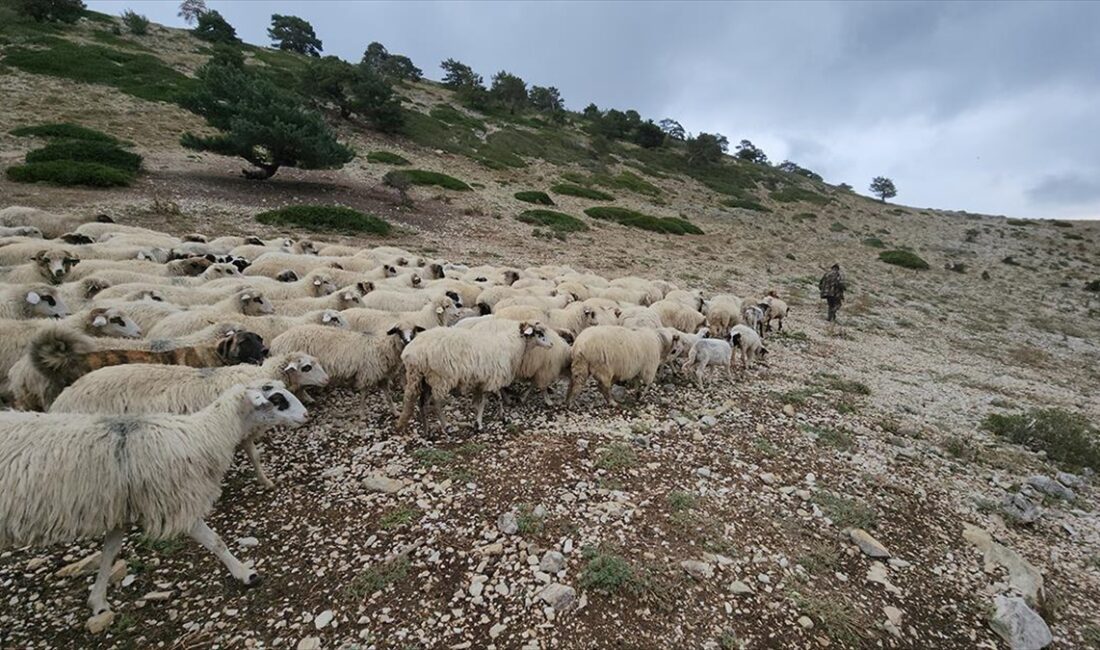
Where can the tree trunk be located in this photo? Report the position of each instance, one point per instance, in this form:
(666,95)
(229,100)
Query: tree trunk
(264,172)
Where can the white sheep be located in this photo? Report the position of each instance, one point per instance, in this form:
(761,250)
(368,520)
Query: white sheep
(445,359)
(636,316)
(350,358)
(440,312)
(245,302)
(78,295)
(406,300)
(748,341)
(268,326)
(49,224)
(65,476)
(314,284)
(32,301)
(121,276)
(777,310)
(145,312)
(346,298)
(676,314)
(46,265)
(20,231)
(752,316)
(723,312)
(708,352)
(682,342)
(612,353)
(693,299)
(147,388)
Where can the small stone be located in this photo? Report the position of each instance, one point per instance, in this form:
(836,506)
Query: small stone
(322,620)
(496,548)
(806,622)
(558,596)
(539,511)
(1050,487)
(739,587)
(552,562)
(35,563)
(334,472)
(567,547)
(477,588)
(582,444)
(869,545)
(698,570)
(1019,625)
(246,542)
(1069,480)
(764,578)
(497,630)
(789,410)
(81,567)
(1020,508)
(878,573)
(118,571)
(893,614)
(898,563)
(384,484)
(703,472)
(309,643)
(157,595)
(507,523)
(97,624)
(768,478)
(708,421)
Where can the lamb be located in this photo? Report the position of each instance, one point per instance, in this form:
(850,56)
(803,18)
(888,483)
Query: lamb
(612,353)
(678,315)
(350,357)
(706,352)
(467,292)
(639,316)
(339,301)
(145,313)
(440,312)
(723,312)
(245,302)
(748,341)
(65,476)
(682,342)
(46,265)
(32,301)
(777,309)
(142,389)
(693,299)
(444,359)
(753,317)
(20,231)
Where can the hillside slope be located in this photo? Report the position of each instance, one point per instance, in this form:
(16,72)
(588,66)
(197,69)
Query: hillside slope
(917,362)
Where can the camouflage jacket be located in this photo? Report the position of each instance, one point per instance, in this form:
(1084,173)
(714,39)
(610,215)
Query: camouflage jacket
(832,284)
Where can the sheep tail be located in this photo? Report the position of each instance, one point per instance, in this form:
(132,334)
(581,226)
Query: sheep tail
(58,353)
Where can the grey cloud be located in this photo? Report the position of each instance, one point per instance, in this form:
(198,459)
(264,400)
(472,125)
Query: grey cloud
(1064,189)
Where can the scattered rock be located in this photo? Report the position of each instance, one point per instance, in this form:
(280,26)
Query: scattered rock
(698,570)
(1069,480)
(806,622)
(36,563)
(118,571)
(558,596)
(497,630)
(879,574)
(1022,576)
(768,478)
(708,421)
(870,546)
(246,542)
(507,523)
(309,643)
(81,567)
(157,595)
(322,620)
(97,624)
(789,410)
(552,562)
(1020,508)
(378,483)
(1050,487)
(739,587)
(1019,625)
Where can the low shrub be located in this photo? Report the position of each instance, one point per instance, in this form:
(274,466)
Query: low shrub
(63,131)
(1093,286)
(69,172)
(325,217)
(92,151)
(569,189)
(1066,437)
(669,225)
(386,158)
(135,22)
(540,198)
(793,194)
(874,242)
(745,204)
(904,259)
(423,177)
(556,221)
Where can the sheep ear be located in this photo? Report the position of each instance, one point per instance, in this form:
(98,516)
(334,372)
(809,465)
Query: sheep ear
(439,310)
(364,287)
(99,321)
(245,297)
(393,330)
(325,318)
(33,297)
(418,329)
(316,283)
(290,366)
(527,329)
(348,295)
(38,256)
(256,398)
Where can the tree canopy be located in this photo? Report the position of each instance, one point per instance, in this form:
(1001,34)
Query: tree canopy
(213,28)
(294,34)
(673,129)
(51,11)
(459,75)
(707,148)
(509,91)
(649,135)
(749,152)
(190,10)
(261,123)
(795,168)
(378,59)
(883,188)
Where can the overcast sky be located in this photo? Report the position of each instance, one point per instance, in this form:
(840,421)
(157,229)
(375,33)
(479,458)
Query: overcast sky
(989,108)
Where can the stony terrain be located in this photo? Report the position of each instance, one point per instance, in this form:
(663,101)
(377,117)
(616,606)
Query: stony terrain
(719,517)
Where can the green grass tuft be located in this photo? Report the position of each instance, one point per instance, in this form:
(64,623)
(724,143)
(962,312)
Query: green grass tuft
(569,189)
(904,259)
(608,573)
(325,217)
(556,221)
(1066,437)
(794,194)
(91,151)
(874,242)
(845,512)
(669,225)
(424,177)
(532,196)
(386,158)
(745,204)
(69,172)
(63,131)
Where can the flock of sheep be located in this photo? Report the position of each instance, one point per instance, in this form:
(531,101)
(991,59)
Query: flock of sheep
(138,362)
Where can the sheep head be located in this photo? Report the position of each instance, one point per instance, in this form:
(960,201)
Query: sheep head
(54,265)
(110,321)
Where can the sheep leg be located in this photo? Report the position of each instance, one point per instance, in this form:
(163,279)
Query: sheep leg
(503,415)
(699,375)
(605,390)
(254,456)
(112,543)
(413,393)
(481,397)
(547,394)
(438,402)
(202,534)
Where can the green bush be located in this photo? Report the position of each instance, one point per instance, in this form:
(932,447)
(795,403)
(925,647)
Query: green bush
(69,172)
(905,259)
(668,225)
(793,194)
(745,204)
(1093,286)
(541,198)
(570,189)
(87,151)
(63,131)
(325,217)
(386,158)
(624,181)
(451,115)
(556,221)
(135,22)
(47,11)
(423,177)
(874,242)
(1066,437)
